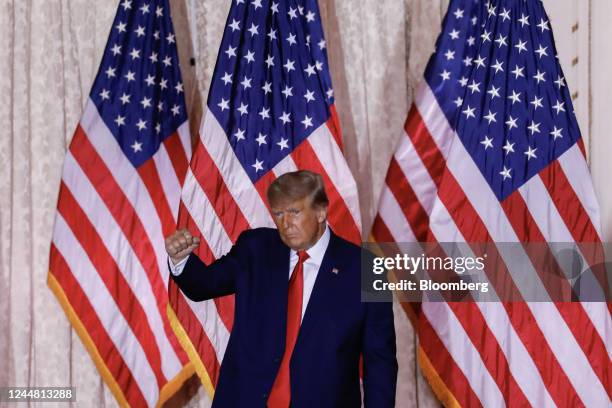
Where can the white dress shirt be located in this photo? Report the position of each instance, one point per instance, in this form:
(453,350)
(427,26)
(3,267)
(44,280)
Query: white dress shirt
(311,265)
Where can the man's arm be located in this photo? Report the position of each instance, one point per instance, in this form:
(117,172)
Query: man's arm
(379,361)
(197,280)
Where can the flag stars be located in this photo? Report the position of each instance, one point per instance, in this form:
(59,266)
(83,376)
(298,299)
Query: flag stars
(274,8)
(239,135)
(541,51)
(329,93)
(121,27)
(159,11)
(487,142)
(450,55)
(516,97)
(272,35)
(485,36)
(501,41)
(458,13)
(267,87)
(534,127)
(250,56)
(157,128)
(292,13)
(116,50)
(511,122)
(498,66)
(146,102)
(176,110)
(153,57)
(505,173)
(530,153)
(253,29)
(140,31)
(288,91)
(160,106)
(467,61)
(179,87)
(289,65)
(307,122)
(309,96)
(291,39)
(224,104)
(463,82)
(258,165)
(110,72)
(543,25)
(150,80)
(321,44)
(125,98)
(490,117)
(167,61)
(141,125)
(261,139)
(170,38)
(283,144)
(285,118)
(256,4)
(227,78)
(508,147)
(524,20)
(474,86)
(163,84)
(144,9)
(105,94)
(130,76)
(246,82)
(136,146)
(454,34)
(234,25)
(559,107)
(505,15)
(231,51)
(310,16)
(471,40)
(537,102)
(539,76)
(445,75)
(518,72)
(521,46)
(556,133)
(480,62)
(310,70)
(494,92)
(120,120)
(135,54)
(264,113)
(458,102)
(270,61)
(243,109)
(469,112)
(560,81)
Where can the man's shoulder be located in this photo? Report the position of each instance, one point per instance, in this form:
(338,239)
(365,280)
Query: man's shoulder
(345,248)
(258,236)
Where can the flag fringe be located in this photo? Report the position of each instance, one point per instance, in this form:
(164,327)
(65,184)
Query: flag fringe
(438,386)
(190,349)
(167,391)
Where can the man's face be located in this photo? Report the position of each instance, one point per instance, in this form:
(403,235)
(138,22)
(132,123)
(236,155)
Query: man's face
(299,223)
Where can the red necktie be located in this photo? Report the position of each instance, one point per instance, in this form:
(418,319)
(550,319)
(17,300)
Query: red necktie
(280,396)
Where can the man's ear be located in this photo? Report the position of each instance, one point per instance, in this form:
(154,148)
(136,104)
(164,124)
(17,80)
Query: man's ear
(321,214)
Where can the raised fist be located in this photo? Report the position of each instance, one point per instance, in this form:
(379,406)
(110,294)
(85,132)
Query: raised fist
(180,244)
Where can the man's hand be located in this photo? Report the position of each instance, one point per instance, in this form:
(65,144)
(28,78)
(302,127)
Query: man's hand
(180,244)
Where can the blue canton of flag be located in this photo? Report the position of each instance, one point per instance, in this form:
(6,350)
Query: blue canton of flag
(271,86)
(138,90)
(507,98)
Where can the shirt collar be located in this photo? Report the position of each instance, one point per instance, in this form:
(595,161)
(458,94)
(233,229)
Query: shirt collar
(317,251)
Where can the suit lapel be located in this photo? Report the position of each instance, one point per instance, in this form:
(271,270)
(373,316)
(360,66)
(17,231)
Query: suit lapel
(322,292)
(278,281)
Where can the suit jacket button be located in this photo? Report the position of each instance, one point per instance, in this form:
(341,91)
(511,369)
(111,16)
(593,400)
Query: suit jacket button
(264,395)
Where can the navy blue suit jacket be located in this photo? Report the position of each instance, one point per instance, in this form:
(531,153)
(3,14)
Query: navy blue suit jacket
(337,327)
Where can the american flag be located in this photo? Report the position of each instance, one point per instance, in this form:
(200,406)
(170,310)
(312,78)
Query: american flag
(270,111)
(491,152)
(118,199)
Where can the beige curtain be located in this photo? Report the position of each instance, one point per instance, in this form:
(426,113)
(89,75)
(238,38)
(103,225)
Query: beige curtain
(50,54)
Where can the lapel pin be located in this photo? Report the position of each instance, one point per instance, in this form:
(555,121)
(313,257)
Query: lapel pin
(335,271)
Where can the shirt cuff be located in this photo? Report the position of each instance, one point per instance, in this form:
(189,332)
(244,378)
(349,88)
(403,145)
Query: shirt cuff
(177,269)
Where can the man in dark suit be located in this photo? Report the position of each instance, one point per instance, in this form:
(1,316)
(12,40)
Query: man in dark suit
(300,326)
